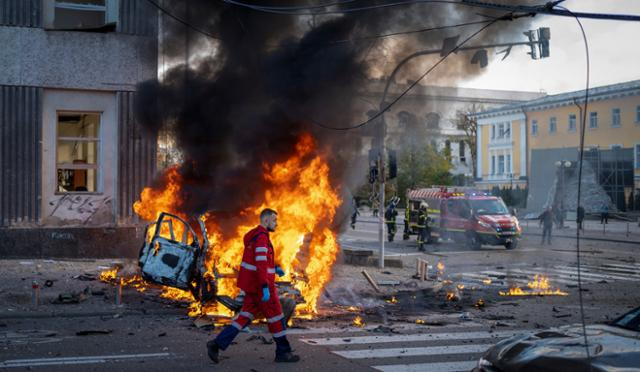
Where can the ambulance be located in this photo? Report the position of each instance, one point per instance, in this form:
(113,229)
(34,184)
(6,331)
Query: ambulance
(465,215)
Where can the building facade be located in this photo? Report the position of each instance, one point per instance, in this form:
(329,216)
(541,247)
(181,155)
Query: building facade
(429,113)
(545,137)
(72,156)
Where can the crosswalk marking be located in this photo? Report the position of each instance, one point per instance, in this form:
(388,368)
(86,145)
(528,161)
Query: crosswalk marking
(407,338)
(572,270)
(612,270)
(412,351)
(431,367)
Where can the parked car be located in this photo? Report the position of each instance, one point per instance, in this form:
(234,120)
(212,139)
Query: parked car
(612,347)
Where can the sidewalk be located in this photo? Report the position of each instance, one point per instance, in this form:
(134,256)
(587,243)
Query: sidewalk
(614,230)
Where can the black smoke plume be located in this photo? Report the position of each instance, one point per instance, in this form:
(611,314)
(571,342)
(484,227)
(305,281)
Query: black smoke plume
(246,97)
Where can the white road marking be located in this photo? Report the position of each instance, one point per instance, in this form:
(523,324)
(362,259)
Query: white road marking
(412,351)
(76,360)
(430,367)
(408,338)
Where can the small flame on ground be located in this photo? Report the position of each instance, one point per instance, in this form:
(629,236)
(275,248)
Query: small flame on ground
(451,296)
(109,274)
(354,308)
(393,300)
(479,304)
(539,287)
(460,286)
(358,322)
(487,281)
(420,321)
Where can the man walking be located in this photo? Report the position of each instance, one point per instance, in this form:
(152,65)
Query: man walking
(580,217)
(546,221)
(604,214)
(257,280)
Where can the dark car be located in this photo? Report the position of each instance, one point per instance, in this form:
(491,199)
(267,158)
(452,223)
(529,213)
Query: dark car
(612,347)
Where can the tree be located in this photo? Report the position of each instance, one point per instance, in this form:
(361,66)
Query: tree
(466,121)
(421,166)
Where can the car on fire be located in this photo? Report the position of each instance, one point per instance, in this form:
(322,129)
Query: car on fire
(612,347)
(173,255)
(465,215)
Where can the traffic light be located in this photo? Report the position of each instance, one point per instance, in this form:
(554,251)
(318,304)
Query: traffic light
(532,43)
(393,164)
(544,35)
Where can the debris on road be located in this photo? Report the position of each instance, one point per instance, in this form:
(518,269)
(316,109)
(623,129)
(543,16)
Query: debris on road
(260,338)
(86,277)
(371,281)
(90,332)
(73,297)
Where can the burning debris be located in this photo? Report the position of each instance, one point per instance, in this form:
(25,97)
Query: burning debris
(358,322)
(538,287)
(392,300)
(480,304)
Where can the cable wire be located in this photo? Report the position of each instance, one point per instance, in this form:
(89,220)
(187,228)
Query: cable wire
(189,25)
(582,135)
(410,87)
(341,11)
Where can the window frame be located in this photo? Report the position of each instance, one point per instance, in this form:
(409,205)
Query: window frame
(500,173)
(638,114)
(593,115)
(534,128)
(613,116)
(636,158)
(553,125)
(111,9)
(575,122)
(97,140)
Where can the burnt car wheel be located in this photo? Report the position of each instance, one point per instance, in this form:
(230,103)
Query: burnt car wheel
(511,245)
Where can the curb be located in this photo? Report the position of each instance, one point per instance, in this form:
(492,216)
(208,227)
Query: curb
(79,314)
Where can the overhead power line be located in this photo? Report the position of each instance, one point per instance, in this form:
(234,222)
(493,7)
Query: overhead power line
(189,25)
(548,8)
(410,87)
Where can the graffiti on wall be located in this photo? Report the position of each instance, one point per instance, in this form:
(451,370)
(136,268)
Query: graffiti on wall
(74,209)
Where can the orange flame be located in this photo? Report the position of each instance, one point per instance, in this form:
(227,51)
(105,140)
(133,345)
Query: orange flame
(358,322)
(539,287)
(306,202)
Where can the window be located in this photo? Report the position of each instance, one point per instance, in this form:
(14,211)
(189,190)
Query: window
(615,117)
(77,151)
(500,164)
(507,130)
(553,125)
(493,165)
(572,123)
(493,131)
(593,120)
(508,164)
(461,151)
(637,114)
(534,127)
(80,14)
(616,147)
(500,131)
(637,148)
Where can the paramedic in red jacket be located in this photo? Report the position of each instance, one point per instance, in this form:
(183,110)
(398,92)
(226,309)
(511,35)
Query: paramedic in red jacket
(257,280)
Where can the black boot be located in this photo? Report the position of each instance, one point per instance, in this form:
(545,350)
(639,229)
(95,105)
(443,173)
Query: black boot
(287,357)
(213,351)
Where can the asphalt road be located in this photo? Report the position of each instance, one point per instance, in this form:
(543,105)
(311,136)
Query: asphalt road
(454,336)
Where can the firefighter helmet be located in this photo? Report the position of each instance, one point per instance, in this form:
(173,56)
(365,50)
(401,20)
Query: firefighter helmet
(424,205)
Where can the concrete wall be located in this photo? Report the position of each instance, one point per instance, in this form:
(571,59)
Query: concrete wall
(75,60)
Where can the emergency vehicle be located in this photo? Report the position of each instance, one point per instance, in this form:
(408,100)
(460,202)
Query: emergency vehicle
(464,215)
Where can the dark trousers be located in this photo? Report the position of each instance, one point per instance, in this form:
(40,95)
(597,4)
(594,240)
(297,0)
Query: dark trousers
(423,237)
(546,232)
(604,218)
(580,227)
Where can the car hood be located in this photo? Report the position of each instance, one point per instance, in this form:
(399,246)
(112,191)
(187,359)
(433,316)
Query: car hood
(562,349)
(502,220)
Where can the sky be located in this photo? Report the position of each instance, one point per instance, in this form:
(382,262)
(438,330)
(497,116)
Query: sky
(613,49)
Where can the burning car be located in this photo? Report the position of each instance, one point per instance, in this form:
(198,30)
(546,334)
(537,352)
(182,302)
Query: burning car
(173,255)
(612,347)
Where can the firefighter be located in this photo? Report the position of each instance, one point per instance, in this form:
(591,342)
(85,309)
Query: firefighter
(407,217)
(257,280)
(390,219)
(423,226)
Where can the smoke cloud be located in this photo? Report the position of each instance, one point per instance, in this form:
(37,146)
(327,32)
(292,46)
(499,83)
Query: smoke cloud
(244,99)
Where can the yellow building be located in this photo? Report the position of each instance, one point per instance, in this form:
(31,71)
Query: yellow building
(525,144)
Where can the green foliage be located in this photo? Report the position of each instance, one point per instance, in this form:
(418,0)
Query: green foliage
(421,166)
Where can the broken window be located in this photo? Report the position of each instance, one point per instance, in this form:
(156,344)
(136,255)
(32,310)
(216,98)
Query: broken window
(98,15)
(78,138)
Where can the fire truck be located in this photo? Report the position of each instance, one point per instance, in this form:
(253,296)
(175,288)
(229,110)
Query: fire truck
(465,215)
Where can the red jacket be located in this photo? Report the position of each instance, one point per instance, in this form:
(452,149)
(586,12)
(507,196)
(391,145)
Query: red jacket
(258,264)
